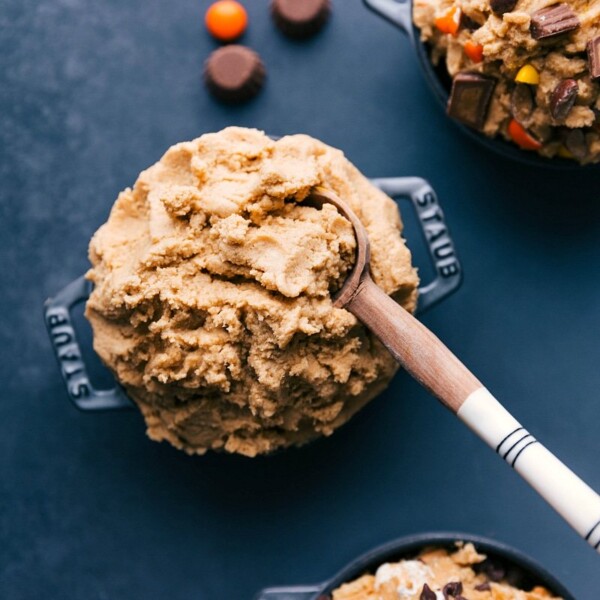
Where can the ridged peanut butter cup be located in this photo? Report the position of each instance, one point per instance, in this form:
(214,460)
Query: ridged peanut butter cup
(300,18)
(234,73)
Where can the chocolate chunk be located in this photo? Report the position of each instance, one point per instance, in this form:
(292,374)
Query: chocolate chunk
(553,20)
(453,590)
(234,73)
(468,23)
(593,52)
(493,570)
(576,144)
(500,7)
(522,103)
(562,98)
(427,593)
(300,18)
(596,123)
(470,98)
(483,587)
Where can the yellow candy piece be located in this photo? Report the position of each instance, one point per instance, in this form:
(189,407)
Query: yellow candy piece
(528,74)
(564,153)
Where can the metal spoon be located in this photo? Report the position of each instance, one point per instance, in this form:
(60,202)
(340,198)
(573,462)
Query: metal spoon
(434,366)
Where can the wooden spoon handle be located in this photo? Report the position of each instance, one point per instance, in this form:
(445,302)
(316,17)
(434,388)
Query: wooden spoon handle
(433,365)
(416,348)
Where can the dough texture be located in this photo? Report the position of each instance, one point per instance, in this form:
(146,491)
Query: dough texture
(436,568)
(507,45)
(213,284)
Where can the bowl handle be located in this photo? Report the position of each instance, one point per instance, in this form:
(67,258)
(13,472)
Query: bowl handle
(57,315)
(436,234)
(397,13)
(306,592)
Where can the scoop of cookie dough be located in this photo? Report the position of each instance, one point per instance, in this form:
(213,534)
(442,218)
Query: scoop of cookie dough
(213,284)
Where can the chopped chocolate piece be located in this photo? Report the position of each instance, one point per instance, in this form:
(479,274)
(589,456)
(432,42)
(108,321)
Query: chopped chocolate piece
(470,98)
(493,570)
(234,73)
(593,52)
(468,23)
(500,7)
(483,587)
(522,103)
(575,143)
(300,18)
(453,589)
(542,132)
(427,593)
(553,20)
(562,99)
(596,123)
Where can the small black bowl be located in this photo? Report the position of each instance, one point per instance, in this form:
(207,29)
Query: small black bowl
(400,15)
(521,569)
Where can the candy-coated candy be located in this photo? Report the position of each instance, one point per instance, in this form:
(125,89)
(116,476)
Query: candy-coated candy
(450,21)
(226,20)
(564,153)
(528,74)
(474,51)
(522,137)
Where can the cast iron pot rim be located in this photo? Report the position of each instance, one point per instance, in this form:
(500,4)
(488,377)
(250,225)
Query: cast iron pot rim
(405,545)
(497,144)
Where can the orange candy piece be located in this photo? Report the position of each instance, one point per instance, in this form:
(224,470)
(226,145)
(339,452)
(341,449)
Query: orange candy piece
(226,20)
(449,22)
(474,51)
(522,137)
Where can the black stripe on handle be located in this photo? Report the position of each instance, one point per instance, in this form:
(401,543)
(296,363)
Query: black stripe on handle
(521,439)
(526,436)
(588,537)
(533,441)
(507,438)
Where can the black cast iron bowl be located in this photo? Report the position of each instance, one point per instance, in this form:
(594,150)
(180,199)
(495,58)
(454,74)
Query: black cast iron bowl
(523,569)
(400,15)
(64,338)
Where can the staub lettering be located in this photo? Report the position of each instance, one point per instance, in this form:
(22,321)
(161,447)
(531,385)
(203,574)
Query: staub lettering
(440,244)
(426,200)
(62,335)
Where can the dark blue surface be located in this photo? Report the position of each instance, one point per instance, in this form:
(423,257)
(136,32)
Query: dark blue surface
(91,92)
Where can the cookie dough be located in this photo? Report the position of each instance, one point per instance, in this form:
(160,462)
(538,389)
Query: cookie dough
(555,101)
(213,284)
(437,574)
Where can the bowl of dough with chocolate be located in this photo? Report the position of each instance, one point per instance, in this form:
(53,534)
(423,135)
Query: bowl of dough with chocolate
(434,566)
(521,76)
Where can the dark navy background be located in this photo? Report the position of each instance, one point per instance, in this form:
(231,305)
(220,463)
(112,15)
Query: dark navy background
(93,91)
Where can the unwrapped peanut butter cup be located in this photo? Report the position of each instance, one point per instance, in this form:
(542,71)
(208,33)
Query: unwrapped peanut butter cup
(470,98)
(300,18)
(234,73)
(553,20)
(593,52)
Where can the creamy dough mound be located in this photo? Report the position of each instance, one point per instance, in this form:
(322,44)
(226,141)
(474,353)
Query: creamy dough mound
(438,574)
(213,285)
(506,44)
